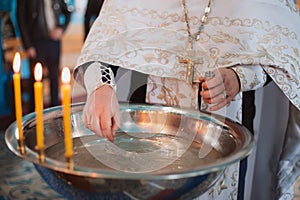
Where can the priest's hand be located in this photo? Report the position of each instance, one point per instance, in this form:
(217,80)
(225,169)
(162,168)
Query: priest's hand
(220,89)
(101,112)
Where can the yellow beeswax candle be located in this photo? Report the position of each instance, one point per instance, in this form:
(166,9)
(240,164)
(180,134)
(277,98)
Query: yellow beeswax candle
(38,99)
(65,89)
(17,92)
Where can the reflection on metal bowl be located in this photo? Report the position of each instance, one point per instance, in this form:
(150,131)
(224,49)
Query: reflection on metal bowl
(159,153)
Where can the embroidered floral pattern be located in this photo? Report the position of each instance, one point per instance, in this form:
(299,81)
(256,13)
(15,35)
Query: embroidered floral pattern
(143,38)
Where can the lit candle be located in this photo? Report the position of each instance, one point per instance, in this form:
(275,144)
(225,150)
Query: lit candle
(66,111)
(38,99)
(17,91)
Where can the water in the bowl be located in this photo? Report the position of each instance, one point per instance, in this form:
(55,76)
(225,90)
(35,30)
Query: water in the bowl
(159,154)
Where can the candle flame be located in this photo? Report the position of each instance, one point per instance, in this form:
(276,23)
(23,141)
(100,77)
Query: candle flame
(17,62)
(38,72)
(66,76)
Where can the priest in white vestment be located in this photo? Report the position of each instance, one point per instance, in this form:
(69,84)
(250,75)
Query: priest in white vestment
(242,42)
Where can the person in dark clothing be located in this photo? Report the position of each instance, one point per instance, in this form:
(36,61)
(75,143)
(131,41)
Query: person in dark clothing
(42,24)
(91,13)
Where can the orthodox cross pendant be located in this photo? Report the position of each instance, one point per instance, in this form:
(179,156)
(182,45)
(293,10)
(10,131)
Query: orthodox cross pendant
(190,61)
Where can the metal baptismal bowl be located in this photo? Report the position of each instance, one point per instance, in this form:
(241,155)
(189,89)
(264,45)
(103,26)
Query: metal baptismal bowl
(159,153)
